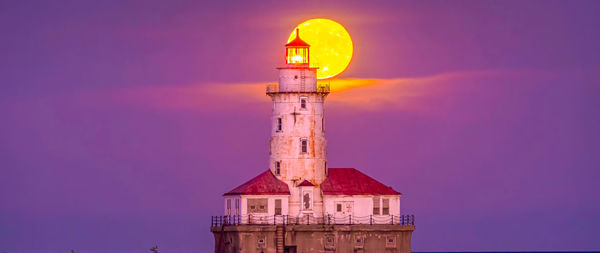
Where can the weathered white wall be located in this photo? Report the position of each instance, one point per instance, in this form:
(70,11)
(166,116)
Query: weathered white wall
(298,123)
(290,80)
(362,204)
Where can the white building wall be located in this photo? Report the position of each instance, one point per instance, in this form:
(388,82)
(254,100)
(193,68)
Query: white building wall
(362,206)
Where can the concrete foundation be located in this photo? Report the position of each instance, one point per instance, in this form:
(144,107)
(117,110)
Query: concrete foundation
(312,238)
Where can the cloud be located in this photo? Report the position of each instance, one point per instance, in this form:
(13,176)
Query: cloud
(360,93)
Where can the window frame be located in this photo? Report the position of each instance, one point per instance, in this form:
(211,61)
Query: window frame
(279,124)
(258,205)
(303,103)
(385,206)
(376,205)
(303,146)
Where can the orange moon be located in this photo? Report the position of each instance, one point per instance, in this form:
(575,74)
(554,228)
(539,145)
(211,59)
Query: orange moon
(331,47)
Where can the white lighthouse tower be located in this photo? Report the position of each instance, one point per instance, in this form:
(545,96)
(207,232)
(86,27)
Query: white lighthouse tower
(298,148)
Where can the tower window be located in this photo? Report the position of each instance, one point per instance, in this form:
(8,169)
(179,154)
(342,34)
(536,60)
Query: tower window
(278,167)
(303,102)
(303,146)
(279,127)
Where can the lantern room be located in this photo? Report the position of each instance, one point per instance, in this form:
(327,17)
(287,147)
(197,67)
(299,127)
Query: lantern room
(297,51)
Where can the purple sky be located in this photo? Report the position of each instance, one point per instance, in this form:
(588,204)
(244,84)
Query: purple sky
(123,122)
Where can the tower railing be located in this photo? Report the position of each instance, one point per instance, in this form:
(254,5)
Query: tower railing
(402,220)
(323,87)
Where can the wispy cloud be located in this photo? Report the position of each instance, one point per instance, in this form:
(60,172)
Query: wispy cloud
(368,94)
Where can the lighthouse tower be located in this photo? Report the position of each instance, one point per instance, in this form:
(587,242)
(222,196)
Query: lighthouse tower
(298,148)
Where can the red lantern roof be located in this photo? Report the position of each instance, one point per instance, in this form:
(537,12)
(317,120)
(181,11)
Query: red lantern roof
(297,42)
(350,181)
(264,184)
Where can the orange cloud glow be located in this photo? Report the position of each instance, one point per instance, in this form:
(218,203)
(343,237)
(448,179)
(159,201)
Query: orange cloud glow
(367,94)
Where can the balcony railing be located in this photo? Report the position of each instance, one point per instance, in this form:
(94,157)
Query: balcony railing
(405,220)
(321,88)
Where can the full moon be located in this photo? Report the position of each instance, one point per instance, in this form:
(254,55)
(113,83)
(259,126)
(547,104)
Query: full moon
(330,46)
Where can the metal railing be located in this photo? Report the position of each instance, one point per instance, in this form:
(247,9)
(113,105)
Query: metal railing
(407,220)
(321,88)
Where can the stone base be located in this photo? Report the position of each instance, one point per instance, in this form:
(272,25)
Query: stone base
(312,238)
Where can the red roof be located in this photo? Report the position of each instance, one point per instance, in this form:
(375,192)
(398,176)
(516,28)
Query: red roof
(264,184)
(350,181)
(297,42)
(306,183)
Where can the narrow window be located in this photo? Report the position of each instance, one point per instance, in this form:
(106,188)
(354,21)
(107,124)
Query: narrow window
(386,207)
(237,206)
(303,146)
(326,170)
(278,207)
(228,206)
(278,167)
(303,103)
(376,206)
(279,125)
(323,124)
(339,207)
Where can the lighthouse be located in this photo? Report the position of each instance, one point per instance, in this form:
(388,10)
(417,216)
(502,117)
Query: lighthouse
(298,148)
(299,204)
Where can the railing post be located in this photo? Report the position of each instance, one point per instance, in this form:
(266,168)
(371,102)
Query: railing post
(413,219)
(328,219)
(249,219)
(371,219)
(350,219)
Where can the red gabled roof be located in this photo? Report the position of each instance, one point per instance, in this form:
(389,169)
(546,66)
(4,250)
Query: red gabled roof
(264,184)
(350,181)
(306,183)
